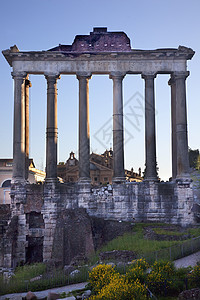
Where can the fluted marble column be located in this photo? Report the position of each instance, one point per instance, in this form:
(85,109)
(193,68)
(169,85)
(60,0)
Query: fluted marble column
(172,83)
(84,127)
(27,86)
(150,132)
(118,130)
(52,130)
(181,125)
(19,128)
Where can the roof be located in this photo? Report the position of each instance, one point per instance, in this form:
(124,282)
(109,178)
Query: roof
(98,40)
(10,160)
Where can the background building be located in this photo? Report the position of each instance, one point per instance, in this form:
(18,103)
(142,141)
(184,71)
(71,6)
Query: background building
(101,169)
(6,170)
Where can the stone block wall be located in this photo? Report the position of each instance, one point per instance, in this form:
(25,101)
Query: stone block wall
(170,202)
(57,218)
(72,236)
(4,224)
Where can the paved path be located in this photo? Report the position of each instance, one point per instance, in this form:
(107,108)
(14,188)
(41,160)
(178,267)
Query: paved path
(190,260)
(43,294)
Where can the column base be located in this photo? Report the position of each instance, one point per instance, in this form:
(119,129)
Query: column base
(84,185)
(154,179)
(118,180)
(51,180)
(84,180)
(21,181)
(183,178)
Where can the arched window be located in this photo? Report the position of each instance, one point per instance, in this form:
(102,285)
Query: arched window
(6,183)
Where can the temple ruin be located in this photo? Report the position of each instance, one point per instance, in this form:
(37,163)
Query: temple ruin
(38,210)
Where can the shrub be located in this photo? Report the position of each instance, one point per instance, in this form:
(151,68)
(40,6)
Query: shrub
(120,289)
(194,276)
(101,276)
(137,270)
(179,280)
(160,277)
(142,263)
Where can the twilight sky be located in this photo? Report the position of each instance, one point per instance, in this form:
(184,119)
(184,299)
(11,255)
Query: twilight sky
(150,24)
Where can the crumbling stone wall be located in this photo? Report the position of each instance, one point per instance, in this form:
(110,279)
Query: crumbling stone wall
(105,230)
(4,223)
(34,249)
(8,236)
(72,236)
(65,220)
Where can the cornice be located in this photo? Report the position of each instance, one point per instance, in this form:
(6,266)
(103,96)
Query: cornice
(181,53)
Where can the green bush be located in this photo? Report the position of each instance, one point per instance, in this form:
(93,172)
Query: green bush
(137,270)
(160,277)
(194,276)
(179,280)
(100,276)
(120,289)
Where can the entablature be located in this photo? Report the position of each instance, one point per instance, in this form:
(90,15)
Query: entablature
(132,62)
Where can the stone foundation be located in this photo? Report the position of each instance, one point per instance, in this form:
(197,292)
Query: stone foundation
(57,218)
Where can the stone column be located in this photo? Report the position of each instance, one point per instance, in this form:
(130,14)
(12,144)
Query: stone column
(181,125)
(172,83)
(52,130)
(118,130)
(150,132)
(84,128)
(19,128)
(27,86)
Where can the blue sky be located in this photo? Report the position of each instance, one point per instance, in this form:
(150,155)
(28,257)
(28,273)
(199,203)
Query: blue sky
(150,24)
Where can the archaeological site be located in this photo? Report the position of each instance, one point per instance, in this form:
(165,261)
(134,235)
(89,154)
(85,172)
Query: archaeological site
(56,221)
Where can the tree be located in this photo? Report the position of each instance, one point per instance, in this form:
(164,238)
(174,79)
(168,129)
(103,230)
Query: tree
(194,159)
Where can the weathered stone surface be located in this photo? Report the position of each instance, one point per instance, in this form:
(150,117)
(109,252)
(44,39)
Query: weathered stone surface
(53,296)
(160,60)
(36,278)
(86,294)
(106,230)
(117,255)
(30,296)
(74,273)
(68,269)
(5,215)
(193,294)
(34,199)
(53,220)
(79,259)
(98,40)
(152,235)
(73,236)
(73,222)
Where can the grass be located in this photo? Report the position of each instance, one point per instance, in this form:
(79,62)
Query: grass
(135,241)
(194,232)
(167,232)
(56,277)
(29,271)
